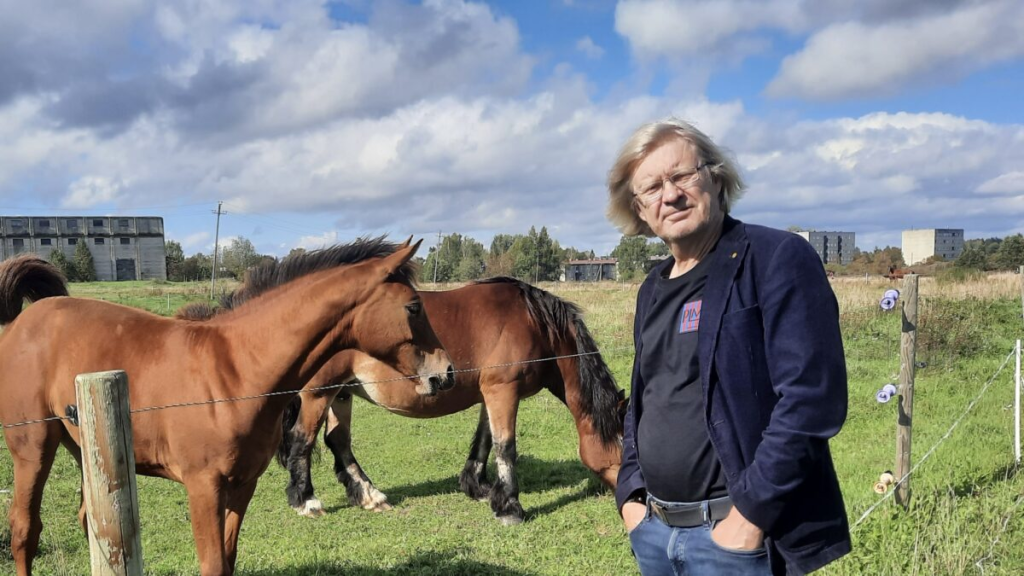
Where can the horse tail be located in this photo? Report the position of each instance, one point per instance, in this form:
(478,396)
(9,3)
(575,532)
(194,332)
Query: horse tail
(27,277)
(562,322)
(288,420)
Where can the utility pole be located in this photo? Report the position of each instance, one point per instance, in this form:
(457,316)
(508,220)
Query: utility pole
(216,239)
(437,255)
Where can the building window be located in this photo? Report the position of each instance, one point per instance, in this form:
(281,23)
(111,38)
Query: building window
(17,223)
(122,223)
(72,241)
(43,223)
(18,242)
(45,242)
(97,223)
(72,224)
(97,241)
(125,241)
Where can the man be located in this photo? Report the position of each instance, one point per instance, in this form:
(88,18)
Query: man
(739,378)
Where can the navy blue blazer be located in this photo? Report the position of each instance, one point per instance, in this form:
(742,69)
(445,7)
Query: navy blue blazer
(774,380)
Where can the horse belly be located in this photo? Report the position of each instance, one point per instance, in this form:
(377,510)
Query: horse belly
(403,400)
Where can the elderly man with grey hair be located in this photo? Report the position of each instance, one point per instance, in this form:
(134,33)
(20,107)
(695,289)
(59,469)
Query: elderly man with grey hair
(739,378)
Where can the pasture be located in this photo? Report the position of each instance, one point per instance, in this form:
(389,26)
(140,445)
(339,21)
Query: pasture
(965,517)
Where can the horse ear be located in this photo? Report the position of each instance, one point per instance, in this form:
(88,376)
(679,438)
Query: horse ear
(407,242)
(399,257)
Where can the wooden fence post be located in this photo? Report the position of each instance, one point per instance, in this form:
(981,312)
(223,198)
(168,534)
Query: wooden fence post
(108,469)
(908,357)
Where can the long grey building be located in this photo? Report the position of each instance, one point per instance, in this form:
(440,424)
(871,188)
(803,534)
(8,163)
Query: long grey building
(832,247)
(122,247)
(920,245)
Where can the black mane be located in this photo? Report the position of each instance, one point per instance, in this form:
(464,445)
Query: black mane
(272,274)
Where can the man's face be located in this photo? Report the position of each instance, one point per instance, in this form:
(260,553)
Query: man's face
(682,212)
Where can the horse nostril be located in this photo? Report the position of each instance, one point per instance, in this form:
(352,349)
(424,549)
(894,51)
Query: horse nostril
(449,381)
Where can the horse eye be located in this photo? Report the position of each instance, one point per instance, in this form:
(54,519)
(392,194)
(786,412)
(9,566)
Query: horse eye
(414,308)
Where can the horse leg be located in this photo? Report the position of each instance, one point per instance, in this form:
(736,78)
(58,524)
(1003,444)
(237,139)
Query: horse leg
(338,438)
(505,491)
(76,453)
(473,479)
(33,452)
(237,503)
(300,441)
(206,505)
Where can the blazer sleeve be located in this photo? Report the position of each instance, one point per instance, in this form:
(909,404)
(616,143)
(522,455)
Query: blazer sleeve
(630,480)
(807,368)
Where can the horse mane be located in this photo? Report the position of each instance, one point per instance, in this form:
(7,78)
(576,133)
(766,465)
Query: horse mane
(559,319)
(27,277)
(272,273)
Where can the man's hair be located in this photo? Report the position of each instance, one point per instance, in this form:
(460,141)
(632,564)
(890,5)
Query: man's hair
(622,204)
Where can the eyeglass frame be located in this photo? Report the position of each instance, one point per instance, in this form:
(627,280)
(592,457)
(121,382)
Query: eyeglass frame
(693,178)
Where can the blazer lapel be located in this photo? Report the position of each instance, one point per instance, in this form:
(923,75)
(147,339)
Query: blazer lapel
(732,248)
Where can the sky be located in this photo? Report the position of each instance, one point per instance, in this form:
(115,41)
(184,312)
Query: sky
(316,122)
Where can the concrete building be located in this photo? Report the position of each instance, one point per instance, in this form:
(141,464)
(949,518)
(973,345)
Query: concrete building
(591,270)
(122,247)
(832,247)
(920,245)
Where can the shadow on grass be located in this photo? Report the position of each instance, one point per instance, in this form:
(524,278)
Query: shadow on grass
(970,487)
(535,475)
(446,562)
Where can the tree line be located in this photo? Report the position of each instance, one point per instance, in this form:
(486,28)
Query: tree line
(533,257)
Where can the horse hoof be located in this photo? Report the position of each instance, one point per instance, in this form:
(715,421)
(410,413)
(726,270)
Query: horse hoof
(312,509)
(378,507)
(510,520)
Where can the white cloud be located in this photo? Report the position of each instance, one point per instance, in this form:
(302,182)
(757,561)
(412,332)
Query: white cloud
(1008,183)
(195,240)
(587,46)
(90,191)
(318,241)
(854,59)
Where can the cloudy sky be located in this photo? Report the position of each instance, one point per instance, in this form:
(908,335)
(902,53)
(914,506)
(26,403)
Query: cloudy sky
(315,122)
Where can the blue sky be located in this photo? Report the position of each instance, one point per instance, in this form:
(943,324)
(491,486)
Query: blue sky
(317,122)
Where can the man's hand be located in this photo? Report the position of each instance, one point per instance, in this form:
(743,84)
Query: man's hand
(736,532)
(632,514)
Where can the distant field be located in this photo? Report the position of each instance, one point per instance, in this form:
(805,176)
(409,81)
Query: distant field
(963,520)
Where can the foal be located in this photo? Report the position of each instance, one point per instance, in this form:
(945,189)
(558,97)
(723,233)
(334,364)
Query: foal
(274,343)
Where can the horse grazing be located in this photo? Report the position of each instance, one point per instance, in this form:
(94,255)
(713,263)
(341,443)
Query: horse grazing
(274,343)
(501,325)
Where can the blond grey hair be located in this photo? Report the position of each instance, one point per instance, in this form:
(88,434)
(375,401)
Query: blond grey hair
(622,204)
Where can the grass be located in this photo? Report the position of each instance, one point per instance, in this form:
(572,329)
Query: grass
(963,519)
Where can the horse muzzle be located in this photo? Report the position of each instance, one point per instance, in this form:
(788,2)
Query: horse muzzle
(439,382)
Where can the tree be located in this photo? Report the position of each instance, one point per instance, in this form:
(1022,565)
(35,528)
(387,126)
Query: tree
(632,254)
(84,267)
(58,259)
(1010,254)
(197,267)
(972,257)
(174,257)
(239,257)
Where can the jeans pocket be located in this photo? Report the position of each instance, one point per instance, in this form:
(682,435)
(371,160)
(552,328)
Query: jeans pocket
(762,550)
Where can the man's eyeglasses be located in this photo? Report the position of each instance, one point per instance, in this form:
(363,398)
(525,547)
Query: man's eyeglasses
(681,180)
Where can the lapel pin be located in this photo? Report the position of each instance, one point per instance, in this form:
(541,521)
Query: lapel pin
(733,255)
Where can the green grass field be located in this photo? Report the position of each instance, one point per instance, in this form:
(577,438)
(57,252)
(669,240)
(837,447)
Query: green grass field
(964,517)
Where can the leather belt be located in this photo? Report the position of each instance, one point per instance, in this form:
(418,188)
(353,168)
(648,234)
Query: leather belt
(690,515)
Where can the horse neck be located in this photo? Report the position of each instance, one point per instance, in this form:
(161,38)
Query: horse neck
(287,336)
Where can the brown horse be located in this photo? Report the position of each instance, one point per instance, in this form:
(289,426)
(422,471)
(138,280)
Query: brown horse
(502,325)
(274,343)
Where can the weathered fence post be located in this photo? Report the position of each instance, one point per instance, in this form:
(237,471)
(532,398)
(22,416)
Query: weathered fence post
(1016,406)
(908,357)
(1021,272)
(108,468)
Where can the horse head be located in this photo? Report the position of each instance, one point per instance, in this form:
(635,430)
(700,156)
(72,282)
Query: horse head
(391,325)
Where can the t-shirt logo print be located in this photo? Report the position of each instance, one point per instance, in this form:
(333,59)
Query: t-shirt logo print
(689,320)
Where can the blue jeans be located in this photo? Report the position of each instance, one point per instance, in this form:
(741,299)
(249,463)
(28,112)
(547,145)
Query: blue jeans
(663,550)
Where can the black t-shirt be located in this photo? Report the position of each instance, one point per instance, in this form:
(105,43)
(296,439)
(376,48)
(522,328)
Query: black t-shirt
(677,458)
